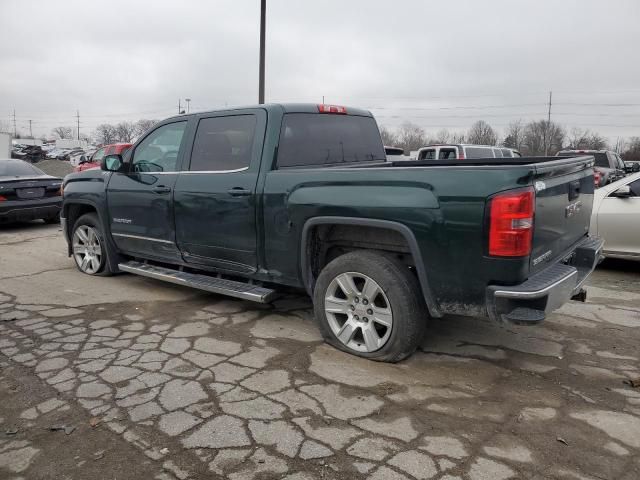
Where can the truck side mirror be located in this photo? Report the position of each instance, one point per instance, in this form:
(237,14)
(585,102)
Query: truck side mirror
(111,163)
(622,192)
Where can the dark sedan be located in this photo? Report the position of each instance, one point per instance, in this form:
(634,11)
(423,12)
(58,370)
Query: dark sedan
(27,193)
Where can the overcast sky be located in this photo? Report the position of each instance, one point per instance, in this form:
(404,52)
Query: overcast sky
(442,63)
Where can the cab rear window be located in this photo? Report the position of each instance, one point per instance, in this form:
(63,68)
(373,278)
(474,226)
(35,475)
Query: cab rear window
(309,139)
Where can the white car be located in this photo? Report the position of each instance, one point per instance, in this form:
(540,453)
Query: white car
(616,217)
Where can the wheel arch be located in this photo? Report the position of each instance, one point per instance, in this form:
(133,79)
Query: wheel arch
(306,254)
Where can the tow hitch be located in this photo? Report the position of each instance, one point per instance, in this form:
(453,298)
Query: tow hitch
(581,296)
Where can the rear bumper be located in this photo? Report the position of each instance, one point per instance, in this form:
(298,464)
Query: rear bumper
(15,211)
(547,290)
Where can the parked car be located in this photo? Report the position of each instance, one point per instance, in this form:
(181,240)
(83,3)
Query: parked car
(395,154)
(94,160)
(462,151)
(632,167)
(240,201)
(609,167)
(616,217)
(27,193)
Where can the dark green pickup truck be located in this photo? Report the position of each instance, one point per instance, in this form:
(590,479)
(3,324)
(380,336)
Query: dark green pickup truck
(241,201)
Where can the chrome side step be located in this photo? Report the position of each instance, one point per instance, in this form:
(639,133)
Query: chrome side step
(231,288)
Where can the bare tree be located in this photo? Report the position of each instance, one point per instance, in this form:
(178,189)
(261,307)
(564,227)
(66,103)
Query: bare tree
(596,142)
(411,137)
(543,137)
(577,138)
(632,151)
(458,137)
(389,138)
(481,133)
(143,125)
(105,134)
(514,135)
(126,131)
(442,136)
(63,133)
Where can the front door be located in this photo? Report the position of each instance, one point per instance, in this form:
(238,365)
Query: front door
(215,197)
(140,200)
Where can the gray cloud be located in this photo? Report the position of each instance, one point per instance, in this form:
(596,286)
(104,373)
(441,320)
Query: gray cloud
(434,63)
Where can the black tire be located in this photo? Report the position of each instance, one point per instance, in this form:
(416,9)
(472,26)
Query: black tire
(402,290)
(91,220)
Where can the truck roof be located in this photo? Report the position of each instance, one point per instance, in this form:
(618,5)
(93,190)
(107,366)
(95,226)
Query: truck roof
(285,107)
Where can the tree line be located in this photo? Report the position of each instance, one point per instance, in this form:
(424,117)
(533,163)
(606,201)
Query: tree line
(534,138)
(106,133)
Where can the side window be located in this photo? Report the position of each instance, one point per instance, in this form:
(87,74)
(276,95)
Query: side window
(223,143)
(620,162)
(98,155)
(429,154)
(635,188)
(478,152)
(158,152)
(447,154)
(506,153)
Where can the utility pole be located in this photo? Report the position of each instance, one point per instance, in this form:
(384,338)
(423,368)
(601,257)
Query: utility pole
(179,107)
(78,120)
(30,130)
(15,130)
(547,130)
(188,100)
(263,18)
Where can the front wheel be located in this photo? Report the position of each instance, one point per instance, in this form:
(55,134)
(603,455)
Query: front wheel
(370,304)
(89,247)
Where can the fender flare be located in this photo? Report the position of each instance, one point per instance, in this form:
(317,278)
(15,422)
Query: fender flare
(113,258)
(305,270)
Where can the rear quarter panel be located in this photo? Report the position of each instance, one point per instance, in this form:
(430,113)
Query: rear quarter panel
(443,206)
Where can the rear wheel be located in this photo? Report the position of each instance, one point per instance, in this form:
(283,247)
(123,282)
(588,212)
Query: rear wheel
(370,304)
(89,247)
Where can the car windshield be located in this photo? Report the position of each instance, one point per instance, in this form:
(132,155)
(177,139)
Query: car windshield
(18,169)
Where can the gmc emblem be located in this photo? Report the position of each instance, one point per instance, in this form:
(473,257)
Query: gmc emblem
(572,209)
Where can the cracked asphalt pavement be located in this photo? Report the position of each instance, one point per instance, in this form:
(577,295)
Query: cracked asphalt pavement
(130,378)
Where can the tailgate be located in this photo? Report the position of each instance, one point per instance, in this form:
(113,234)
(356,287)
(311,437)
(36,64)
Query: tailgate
(564,198)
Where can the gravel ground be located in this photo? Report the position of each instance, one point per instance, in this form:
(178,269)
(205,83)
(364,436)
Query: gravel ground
(57,168)
(151,380)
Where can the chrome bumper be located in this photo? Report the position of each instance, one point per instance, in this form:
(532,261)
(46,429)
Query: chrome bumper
(547,290)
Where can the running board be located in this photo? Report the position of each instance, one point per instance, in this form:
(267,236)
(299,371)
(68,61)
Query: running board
(230,288)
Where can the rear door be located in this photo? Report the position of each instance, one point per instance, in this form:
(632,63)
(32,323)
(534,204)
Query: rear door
(140,200)
(215,196)
(564,199)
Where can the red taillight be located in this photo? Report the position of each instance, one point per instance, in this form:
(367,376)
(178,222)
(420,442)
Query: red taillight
(511,223)
(461,154)
(597,177)
(2,199)
(322,108)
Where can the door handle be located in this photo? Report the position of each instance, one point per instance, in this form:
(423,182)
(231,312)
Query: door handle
(161,189)
(239,192)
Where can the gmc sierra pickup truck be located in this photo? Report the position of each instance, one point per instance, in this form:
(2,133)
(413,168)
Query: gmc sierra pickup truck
(241,201)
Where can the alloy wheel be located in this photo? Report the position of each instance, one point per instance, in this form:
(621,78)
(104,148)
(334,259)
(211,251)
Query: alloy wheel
(358,312)
(87,250)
